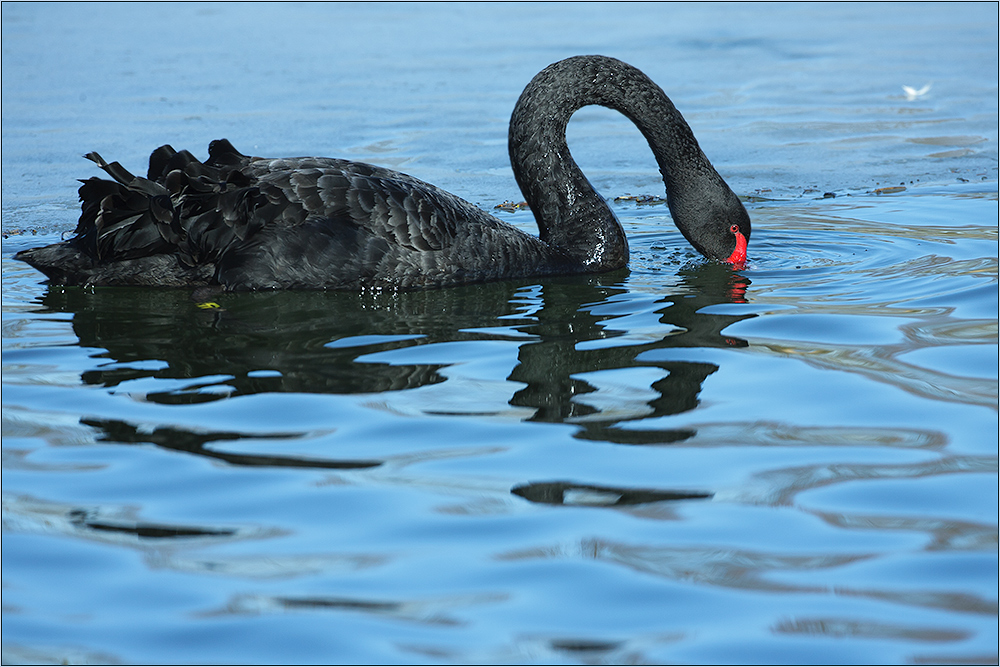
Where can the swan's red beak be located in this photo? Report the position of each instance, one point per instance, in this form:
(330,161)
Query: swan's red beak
(739,257)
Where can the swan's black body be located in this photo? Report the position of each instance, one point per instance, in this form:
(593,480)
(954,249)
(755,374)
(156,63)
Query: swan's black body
(320,223)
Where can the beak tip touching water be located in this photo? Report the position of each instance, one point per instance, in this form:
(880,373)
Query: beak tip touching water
(739,257)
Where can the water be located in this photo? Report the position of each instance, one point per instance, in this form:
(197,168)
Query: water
(796,463)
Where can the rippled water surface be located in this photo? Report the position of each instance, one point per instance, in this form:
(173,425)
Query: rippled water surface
(794,463)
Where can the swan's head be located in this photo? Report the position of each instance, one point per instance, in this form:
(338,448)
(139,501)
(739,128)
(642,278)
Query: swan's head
(718,227)
(740,232)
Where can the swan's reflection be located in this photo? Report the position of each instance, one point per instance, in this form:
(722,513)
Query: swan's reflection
(553,366)
(313,342)
(185,440)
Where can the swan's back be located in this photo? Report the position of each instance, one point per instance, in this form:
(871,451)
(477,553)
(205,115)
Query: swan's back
(290,223)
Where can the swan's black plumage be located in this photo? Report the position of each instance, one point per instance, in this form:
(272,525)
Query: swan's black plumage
(250,223)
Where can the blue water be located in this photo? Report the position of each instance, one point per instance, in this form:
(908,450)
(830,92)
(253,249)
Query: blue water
(794,463)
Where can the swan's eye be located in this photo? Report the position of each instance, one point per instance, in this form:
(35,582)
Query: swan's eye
(735,229)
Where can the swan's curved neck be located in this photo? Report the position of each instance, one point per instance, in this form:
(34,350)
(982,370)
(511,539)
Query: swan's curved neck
(571,215)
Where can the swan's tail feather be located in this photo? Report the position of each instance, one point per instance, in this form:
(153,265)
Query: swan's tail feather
(124,219)
(119,223)
(173,211)
(221,153)
(114,170)
(158,161)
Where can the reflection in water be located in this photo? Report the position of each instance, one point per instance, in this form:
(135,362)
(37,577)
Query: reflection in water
(552,366)
(750,570)
(143,530)
(880,363)
(318,342)
(568,493)
(114,525)
(432,611)
(779,487)
(179,439)
(944,534)
(160,346)
(840,627)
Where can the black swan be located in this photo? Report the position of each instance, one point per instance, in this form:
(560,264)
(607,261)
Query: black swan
(248,223)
